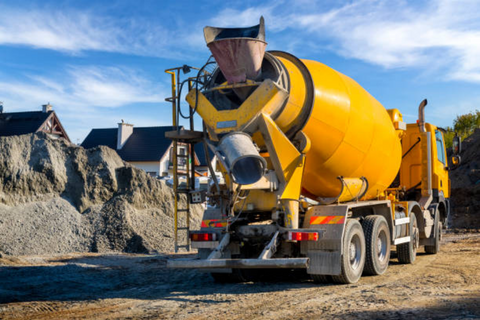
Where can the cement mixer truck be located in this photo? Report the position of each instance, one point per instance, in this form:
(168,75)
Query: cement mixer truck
(317,174)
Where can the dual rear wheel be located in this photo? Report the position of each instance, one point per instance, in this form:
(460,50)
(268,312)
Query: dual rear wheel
(366,250)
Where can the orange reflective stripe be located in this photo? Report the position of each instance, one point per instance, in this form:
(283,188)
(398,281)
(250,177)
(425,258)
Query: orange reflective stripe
(215,223)
(336,220)
(327,219)
(315,220)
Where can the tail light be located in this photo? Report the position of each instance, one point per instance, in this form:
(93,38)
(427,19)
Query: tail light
(203,236)
(303,236)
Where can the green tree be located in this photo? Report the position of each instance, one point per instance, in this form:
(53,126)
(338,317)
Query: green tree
(465,124)
(448,136)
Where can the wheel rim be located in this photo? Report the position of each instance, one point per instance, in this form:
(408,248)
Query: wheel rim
(355,252)
(382,246)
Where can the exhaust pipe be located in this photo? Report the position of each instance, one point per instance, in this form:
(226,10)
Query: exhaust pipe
(242,159)
(421,115)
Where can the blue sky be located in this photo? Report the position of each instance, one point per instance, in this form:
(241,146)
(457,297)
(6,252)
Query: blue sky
(98,62)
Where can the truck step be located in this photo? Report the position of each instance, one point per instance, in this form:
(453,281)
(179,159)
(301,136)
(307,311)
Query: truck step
(402,221)
(402,240)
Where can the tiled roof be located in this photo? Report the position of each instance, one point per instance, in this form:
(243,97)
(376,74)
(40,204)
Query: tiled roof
(101,137)
(144,144)
(17,123)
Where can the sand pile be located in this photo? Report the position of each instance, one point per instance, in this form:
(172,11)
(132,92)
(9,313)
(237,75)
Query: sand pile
(465,181)
(56,197)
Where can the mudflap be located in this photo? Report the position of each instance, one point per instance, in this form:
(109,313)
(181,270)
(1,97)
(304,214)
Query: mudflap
(430,241)
(326,254)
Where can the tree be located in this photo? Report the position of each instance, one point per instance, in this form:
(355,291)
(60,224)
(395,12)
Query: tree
(465,124)
(448,136)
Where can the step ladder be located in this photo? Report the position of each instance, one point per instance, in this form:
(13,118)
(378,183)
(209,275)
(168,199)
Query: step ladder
(183,162)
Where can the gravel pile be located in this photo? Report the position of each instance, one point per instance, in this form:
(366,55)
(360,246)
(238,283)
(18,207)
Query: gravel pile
(466,186)
(56,197)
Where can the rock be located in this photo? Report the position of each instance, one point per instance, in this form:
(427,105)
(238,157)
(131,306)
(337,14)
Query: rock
(56,197)
(465,192)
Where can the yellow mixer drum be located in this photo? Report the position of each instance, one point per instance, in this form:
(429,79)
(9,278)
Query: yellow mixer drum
(351,133)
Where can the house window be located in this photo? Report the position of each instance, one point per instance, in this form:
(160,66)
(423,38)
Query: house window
(181,160)
(440,150)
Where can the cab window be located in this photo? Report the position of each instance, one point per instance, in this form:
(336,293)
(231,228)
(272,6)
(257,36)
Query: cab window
(440,150)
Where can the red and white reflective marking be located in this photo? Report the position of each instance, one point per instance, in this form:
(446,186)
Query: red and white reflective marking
(303,236)
(203,236)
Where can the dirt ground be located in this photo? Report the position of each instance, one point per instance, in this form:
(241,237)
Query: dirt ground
(133,286)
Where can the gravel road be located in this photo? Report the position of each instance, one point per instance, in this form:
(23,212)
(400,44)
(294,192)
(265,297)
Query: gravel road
(133,286)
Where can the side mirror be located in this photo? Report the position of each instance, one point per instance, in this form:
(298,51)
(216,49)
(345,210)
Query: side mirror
(456,145)
(456,161)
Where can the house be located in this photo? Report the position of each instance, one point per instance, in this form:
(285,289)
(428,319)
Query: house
(145,147)
(17,123)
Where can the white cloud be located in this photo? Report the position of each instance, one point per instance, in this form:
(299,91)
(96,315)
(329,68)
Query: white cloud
(74,32)
(85,86)
(112,87)
(56,30)
(85,96)
(442,35)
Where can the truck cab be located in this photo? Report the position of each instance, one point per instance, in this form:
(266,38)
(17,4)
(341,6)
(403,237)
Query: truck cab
(425,175)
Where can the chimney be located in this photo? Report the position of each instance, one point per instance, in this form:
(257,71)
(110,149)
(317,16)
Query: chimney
(1,107)
(125,130)
(46,108)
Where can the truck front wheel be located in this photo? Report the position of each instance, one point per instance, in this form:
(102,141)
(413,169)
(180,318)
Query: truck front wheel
(353,257)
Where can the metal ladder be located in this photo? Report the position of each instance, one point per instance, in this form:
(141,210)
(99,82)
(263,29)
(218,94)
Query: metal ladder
(186,139)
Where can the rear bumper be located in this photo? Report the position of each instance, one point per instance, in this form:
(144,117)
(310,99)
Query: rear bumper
(286,263)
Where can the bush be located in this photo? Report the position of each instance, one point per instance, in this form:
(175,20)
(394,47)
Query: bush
(467,123)
(464,125)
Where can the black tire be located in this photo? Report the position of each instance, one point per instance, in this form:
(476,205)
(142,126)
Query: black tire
(407,252)
(321,278)
(353,258)
(435,248)
(378,243)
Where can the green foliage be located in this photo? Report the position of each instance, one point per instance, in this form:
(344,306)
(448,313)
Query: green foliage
(465,124)
(448,136)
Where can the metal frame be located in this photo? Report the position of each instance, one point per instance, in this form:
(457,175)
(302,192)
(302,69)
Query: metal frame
(214,260)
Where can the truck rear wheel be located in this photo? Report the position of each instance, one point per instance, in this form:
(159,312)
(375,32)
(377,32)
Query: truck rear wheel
(435,248)
(377,238)
(353,258)
(407,252)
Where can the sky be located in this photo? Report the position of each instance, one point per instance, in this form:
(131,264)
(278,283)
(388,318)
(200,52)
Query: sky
(98,62)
